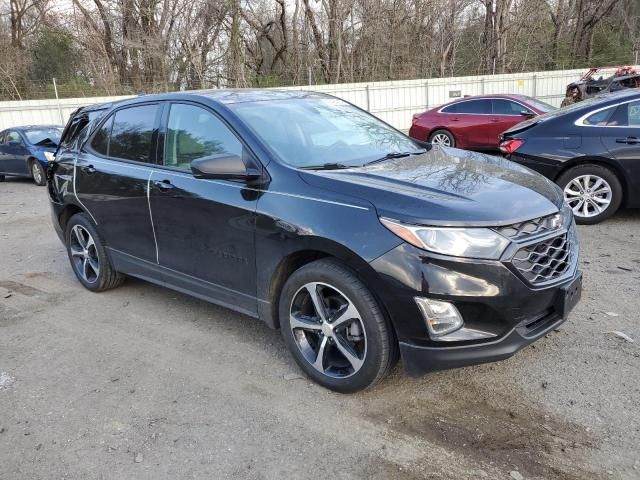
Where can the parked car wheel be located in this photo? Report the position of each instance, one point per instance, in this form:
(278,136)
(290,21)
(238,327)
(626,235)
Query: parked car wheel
(593,191)
(37,173)
(334,328)
(2,178)
(88,256)
(442,137)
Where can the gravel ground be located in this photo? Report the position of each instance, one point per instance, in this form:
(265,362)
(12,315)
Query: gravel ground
(141,382)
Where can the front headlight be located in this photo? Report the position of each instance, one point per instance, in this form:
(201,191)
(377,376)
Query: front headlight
(50,156)
(458,242)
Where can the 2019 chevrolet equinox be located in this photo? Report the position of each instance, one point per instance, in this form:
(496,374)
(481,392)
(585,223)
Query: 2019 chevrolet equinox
(310,214)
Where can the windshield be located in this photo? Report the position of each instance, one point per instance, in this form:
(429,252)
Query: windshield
(316,131)
(540,105)
(44,136)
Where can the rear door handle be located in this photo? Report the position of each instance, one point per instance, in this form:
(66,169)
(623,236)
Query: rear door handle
(164,185)
(629,140)
(90,169)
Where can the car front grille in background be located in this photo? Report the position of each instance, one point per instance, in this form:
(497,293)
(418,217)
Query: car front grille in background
(547,260)
(529,228)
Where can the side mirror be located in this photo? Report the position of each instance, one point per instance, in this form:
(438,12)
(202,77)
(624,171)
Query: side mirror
(224,166)
(527,113)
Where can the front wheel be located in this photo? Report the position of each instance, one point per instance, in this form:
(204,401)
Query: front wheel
(593,192)
(37,173)
(442,137)
(334,328)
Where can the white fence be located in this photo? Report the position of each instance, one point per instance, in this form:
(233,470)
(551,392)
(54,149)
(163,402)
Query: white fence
(394,102)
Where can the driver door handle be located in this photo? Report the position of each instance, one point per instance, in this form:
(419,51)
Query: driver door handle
(629,140)
(163,185)
(90,169)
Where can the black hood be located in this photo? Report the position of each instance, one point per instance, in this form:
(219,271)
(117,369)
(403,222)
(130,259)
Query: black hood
(447,186)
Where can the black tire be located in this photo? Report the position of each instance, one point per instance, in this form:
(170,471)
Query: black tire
(381,346)
(439,134)
(38,174)
(106,278)
(594,170)
(2,179)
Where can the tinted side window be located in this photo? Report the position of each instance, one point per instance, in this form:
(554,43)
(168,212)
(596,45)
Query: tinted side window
(194,132)
(14,136)
(598,118)
(507,107)
(132,133)
(627,115)
(475,106)
(100,141)
(451,108)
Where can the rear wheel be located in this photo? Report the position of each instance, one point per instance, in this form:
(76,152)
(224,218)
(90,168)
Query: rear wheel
(88,257)
(442,137)
(37,173)
(334,328)
(593,192)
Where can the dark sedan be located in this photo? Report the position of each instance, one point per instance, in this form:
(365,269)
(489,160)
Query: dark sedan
(26,151)
(590,149)
(310,214)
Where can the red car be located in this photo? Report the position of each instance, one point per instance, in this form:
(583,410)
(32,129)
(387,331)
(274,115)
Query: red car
(475,122)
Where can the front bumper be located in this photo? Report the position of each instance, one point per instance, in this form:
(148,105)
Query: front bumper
(491,296)
(419,359)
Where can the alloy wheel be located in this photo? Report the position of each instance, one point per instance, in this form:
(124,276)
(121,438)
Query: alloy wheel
(84,254)
(441,139)
(328,330)
(588,195)
(35,171)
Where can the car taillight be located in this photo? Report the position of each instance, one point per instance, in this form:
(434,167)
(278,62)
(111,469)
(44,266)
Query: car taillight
(510,145)
(415,118)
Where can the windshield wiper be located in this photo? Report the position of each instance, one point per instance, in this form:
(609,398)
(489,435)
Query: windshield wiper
(326,166)
(392,155)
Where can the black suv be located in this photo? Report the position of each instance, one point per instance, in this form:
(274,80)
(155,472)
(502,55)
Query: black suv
(311,215)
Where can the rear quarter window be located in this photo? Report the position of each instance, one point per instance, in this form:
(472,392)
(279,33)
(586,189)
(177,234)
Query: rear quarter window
(469,106)
(100,141)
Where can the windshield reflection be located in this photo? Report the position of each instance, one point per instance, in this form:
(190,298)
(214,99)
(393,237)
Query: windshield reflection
(317,131)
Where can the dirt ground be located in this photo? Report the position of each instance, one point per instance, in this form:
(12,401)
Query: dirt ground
(144,383)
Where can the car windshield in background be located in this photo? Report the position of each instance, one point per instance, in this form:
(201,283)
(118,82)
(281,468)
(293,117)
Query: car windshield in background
(44,136)
(540,105)
(322,132)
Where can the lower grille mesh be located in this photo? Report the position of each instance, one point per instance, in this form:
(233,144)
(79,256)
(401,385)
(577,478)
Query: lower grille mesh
(546,260)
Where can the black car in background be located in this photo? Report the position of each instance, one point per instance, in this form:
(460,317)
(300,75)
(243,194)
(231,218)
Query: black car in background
(308,213)
(590,149)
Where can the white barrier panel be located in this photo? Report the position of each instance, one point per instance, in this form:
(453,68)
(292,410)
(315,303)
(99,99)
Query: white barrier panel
(393,101)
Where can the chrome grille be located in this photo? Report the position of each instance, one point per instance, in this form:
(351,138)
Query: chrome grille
(529,228)
(547,260)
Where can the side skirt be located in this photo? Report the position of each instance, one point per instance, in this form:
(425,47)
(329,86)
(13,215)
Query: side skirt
(165,277)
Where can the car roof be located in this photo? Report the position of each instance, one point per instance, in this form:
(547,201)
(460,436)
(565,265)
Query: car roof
(617,95)
(222,96)
(242,95)
(32,127)
(508,96)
